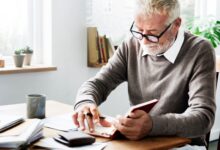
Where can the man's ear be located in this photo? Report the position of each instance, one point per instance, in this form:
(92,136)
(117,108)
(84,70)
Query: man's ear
(177,23)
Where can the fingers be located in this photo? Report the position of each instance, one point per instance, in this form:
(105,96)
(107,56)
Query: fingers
(95,113)
(80,119)
(128,122)
(74,117)
(89,119)
(135,127)
(105,123)
(127,131)
(88,112)
(137,114)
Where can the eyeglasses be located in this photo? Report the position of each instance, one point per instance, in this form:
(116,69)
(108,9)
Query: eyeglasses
(149,37)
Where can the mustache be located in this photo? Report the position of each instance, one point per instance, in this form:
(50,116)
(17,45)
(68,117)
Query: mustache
(149,45)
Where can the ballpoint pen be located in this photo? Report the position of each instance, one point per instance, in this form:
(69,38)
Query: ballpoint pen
(90,115)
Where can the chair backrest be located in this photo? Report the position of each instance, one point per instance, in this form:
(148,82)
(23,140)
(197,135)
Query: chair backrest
(207,137)
(219,143)
(208,134)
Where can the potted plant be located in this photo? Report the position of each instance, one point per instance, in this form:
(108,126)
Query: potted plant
(18,58)
(209,29)
(28,55)
(206,28)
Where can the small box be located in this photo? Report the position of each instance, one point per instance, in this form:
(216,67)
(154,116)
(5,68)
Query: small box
(2,63)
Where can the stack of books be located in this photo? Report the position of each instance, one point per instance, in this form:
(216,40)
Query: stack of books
(100,48)
(21,135)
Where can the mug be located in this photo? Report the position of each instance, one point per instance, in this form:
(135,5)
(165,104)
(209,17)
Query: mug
(36,104)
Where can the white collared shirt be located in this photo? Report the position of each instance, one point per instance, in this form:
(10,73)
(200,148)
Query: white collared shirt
(173,51)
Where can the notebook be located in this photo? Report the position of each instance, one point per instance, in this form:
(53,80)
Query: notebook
(9,121)
(112,132)
(22,135)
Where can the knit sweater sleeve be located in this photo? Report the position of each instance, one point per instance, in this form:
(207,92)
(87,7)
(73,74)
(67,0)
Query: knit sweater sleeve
(108,78)
(198,118)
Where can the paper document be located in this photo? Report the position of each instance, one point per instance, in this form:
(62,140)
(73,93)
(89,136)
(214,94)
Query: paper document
(62,122)
(50,143)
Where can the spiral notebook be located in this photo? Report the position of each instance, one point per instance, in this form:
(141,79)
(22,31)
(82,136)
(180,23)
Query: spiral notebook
(9,121)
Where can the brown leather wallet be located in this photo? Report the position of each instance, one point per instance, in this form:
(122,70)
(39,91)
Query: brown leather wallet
(75,138)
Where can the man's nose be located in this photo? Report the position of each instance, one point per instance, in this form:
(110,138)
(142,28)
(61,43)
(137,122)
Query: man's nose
(145,41)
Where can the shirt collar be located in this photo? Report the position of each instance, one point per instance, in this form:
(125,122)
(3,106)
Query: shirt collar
(173,51)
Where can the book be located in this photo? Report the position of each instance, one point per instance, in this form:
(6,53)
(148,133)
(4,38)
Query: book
(146,106)
(111,132)
(106,47)
(111,48)
(9,121)
(101,49)
(22,135)
(92,46)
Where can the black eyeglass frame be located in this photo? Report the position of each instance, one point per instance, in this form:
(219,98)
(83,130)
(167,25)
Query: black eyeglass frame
(147,35)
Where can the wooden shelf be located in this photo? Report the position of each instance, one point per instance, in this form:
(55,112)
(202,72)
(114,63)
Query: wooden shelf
(26,69)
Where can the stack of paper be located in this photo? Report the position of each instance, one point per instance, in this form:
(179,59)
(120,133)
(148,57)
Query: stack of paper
(62,122)
(24,134)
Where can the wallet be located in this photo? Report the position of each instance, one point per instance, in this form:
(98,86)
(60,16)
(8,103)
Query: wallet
(75,138)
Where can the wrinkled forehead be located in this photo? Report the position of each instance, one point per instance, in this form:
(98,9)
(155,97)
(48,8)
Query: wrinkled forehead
(156,21)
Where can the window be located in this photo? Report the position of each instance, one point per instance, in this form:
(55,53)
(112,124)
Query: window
(15,25)
(203,8)
(113,17)
(26,22)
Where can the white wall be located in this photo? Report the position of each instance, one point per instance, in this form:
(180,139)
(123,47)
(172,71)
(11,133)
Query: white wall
(69,55)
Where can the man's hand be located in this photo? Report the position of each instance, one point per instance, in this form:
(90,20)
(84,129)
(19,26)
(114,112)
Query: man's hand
(90,113)
(136,126)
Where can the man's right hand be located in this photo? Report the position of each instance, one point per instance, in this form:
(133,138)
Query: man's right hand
(90,113)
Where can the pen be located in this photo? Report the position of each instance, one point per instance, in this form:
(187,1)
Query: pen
(90,115)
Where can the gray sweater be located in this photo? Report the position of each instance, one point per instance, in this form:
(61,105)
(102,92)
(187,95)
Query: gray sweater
(185,89)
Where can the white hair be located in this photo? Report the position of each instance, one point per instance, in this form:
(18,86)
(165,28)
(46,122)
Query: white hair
(150,7)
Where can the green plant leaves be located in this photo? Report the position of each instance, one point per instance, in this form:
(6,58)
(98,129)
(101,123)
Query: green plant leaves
(208,29)
(26,50)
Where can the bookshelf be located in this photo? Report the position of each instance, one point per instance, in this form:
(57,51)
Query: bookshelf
(99,48)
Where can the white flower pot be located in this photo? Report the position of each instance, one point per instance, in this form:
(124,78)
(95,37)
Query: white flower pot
(27,59)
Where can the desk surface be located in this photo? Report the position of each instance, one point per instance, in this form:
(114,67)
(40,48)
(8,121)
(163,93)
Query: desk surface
(56,108)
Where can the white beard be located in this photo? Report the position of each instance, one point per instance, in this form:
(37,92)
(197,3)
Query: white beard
(155,49)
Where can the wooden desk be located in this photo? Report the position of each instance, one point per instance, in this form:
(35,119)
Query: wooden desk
(56,108)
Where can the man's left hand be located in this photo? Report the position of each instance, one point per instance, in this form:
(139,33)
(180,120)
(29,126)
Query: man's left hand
(136,126)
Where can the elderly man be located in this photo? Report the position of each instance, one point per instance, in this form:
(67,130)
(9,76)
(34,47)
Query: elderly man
(160,61)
